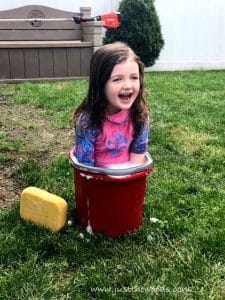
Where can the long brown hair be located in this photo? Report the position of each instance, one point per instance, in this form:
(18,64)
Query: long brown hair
(95,103)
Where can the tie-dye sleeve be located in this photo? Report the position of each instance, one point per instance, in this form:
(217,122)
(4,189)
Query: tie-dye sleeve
(85,138)
(140,143)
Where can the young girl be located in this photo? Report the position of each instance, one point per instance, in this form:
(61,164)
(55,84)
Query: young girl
(111,124)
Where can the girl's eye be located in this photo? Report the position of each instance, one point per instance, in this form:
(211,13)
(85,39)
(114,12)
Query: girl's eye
(116,79)
(135,78)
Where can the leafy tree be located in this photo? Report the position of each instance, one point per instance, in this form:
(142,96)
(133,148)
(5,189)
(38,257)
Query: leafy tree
(139,28)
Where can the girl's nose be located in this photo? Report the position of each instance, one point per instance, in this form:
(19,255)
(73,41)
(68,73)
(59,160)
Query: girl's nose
(127,84)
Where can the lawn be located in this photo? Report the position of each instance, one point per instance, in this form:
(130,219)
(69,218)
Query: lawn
(179,252)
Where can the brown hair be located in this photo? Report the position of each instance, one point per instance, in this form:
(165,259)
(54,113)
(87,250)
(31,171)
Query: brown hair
(95,103)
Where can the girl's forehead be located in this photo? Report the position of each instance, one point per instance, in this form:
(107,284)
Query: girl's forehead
(128,65)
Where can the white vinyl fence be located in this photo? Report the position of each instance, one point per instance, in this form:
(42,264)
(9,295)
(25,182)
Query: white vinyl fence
(194,34)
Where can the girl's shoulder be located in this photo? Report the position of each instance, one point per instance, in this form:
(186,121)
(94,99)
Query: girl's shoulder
(83,121)
(83,124)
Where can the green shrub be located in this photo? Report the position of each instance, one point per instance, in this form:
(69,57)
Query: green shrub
(140,29)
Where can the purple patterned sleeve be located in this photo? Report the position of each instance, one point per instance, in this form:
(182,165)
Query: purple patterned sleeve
(85,138)
(140,143)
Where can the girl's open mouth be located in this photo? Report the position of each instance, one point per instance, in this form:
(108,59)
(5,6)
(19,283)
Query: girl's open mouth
(125,97)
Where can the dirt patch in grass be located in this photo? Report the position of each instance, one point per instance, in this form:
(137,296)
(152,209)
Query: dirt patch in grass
(26,134)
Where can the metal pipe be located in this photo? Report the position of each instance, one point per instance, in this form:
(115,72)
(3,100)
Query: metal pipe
(37,20)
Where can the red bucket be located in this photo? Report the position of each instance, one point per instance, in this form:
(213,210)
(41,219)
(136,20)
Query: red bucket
(110,201)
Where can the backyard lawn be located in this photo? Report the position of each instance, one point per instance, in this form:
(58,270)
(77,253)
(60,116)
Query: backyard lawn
(179,252)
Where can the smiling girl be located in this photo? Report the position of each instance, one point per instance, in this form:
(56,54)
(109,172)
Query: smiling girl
(111,124)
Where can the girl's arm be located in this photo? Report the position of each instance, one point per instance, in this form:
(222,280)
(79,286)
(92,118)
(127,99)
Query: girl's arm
(84,142)
(137,158)
(139,146)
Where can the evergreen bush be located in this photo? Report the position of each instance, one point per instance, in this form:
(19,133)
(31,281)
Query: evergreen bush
(139,28)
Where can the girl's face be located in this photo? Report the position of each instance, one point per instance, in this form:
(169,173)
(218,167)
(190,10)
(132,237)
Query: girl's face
(123,86)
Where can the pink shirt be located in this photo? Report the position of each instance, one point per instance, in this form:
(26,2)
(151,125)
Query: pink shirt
(113,143)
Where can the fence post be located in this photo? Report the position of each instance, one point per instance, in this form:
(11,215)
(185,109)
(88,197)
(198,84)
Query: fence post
(92,30)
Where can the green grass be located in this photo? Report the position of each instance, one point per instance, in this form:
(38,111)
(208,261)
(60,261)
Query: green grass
(58,99)
(9,144)
(182,256)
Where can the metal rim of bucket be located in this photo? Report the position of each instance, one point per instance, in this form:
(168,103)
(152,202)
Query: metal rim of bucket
(109,171)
